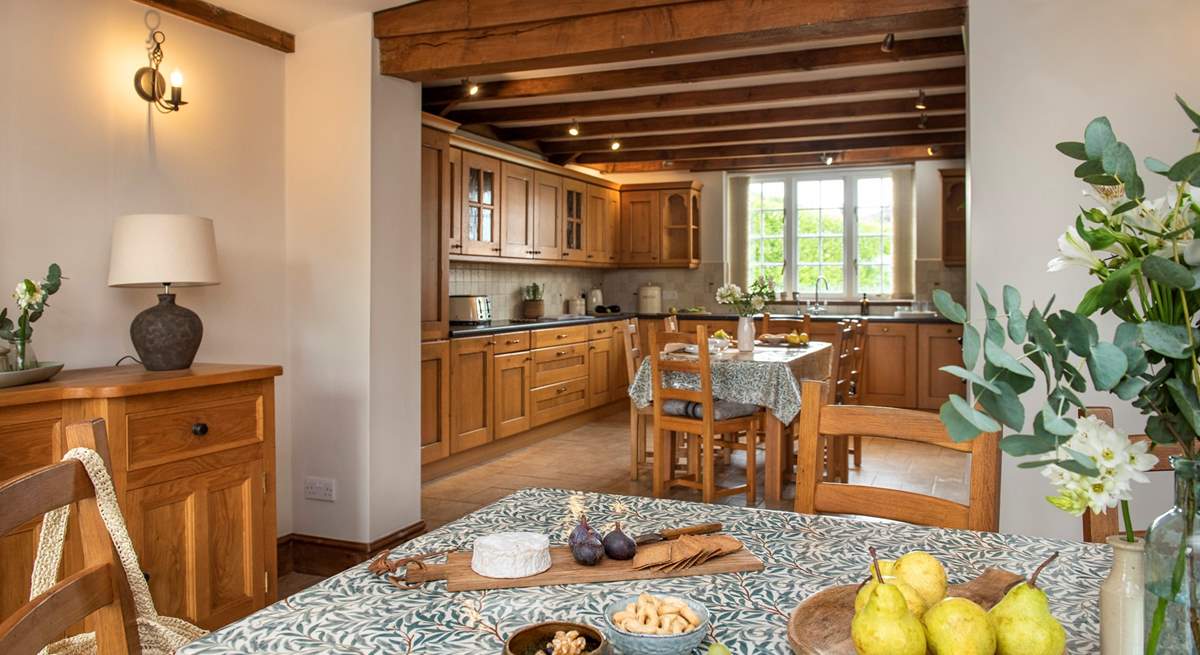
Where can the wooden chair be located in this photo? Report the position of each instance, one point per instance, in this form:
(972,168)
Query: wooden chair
(837,449)
(100,590)
(704,433)
(1097,528)
(785,325)
(639,417)
(671,323)
(813,495)
(853,396)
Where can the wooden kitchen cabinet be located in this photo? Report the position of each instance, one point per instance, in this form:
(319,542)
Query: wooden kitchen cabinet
(435,234)
(456,199)
(481,191)
(559,364)
(600,372)
(517,216)
(938,345)
(548,207)
(612,218)
(890,375)
(640,227)
(678,224)
(513,376)
(435,400)
(596,226)
(660,224)
(575,201)
(471,393)
(954,216)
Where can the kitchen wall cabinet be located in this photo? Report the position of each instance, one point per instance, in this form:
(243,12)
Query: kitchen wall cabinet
(548,207)
(890,376)
(575,199)
(435,234)
(938,345)
(597,237)
(455,200)
(640,227)
(471,393)
(954,216)
(680,227)
(513,376)
(435,400)
(660,224)
(517,216)
(480,204)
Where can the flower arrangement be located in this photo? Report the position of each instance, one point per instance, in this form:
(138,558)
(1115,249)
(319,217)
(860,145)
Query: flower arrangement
(749,302)
(1145,256)
(31,300)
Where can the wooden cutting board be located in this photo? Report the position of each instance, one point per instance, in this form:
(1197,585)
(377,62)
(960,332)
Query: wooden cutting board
(821,624)
(457,573)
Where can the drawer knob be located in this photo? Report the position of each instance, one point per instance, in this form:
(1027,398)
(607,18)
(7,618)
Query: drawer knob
(560,353)
(199,429)
(560,390)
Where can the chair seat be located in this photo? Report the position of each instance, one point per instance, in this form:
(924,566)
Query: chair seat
(723,410)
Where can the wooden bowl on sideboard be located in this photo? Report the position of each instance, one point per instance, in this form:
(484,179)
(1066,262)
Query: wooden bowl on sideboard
(530,639)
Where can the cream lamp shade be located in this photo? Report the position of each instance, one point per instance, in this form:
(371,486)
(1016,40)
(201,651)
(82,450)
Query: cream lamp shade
(150,250)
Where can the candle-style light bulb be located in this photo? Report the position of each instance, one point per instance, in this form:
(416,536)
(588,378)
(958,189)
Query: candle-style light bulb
(176,89)
(177,78)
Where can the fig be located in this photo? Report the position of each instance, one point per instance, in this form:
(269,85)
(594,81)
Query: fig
(618,545)
(585,544)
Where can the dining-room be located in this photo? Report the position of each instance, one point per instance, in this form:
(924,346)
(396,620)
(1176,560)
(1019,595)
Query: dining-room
(649,327)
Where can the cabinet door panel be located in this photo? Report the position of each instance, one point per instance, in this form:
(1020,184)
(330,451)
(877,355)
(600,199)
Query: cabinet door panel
(548,207)
(612,214)
(640,223)
(513,411)
(481,191)
(574,218)
(435,234)
(552,365)
(471,408)
(518,211)
(676,242)
(600,372)
(456,200)
(938,346)
(890,375)
(596,232)
(435,400)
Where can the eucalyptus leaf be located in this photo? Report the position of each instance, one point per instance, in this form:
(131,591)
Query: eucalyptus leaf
(1089,168)
(948,307)
(1157,165)
(970,346)
(1185,399)
(988,308)
(1159,429)
(1107,365)
(1118,160)
(1102,179)
(1001,358)
(973,416)
(1169,340)
(1055,424)
(960,429)
(1066,396)
(1165,271)
(1129,388)
(1036,463)
(1097,136)
(1041,335)
(1072,149)
(1023,445)
(994,332)
(1191,113)
(1005,405)
(1079,468)
(970,376)
(1186,169)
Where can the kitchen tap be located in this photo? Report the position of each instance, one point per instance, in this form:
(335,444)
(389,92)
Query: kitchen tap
(815,306)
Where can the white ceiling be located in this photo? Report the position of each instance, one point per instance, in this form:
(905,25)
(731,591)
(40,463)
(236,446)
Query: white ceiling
(296,16)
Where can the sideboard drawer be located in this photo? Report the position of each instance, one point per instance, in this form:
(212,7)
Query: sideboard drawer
(511,342)
(560,336)
(554,365)
(556,401)
(158,437)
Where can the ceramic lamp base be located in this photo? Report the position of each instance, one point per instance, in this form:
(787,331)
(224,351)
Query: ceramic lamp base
(166,336)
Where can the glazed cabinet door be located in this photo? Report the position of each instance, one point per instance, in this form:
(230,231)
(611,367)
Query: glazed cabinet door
(435,400)
(198,539)
(517,228)
(676,244)
(471,393)
(575,199)
(435,234)
(640,231)
(548,207)
(513,410)
(890,375)
(480,204)
(938,345)
(596,232)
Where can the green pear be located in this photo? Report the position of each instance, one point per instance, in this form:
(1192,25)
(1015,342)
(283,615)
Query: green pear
(916,604)
(885,568)
(957,626)
(884,626)
(1023,622)
(924,573)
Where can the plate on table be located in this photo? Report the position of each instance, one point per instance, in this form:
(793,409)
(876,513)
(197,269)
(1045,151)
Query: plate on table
(43,372)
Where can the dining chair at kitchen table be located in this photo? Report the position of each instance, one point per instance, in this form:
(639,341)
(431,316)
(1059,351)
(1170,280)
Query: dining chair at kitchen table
(820,419)
(99,591)
(707,422)
(858,361)
(1097,528)
(639,417)
(671,323)
(785,325)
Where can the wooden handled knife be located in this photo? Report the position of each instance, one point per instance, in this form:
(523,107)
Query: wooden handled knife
(672,533)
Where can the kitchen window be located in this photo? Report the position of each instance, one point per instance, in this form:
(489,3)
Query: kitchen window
(836,227)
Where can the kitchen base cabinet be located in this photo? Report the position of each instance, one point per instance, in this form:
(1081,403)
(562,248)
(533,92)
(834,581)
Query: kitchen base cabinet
(600,372)
(938,345)
(890,376)
(435,400)
(513,410)
(471,393)
(557,401)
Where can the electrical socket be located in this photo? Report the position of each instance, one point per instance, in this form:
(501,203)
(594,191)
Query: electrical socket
(322,489)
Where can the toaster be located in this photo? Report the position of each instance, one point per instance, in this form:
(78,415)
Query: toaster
(470,309)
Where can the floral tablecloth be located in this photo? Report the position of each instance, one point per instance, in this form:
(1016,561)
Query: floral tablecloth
(768,377)
(357,612)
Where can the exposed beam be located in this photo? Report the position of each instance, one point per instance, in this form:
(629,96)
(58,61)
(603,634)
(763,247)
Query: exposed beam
(451,15)
(218,18)
(644,32)
(929,79)
(839,110)
(891,125)
(700,71)
(863,157)
(775,148)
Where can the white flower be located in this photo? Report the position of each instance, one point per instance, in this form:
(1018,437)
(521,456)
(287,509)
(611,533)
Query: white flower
(757,303)
(729,294)
(1073,250)
(1119,461)
(28,294)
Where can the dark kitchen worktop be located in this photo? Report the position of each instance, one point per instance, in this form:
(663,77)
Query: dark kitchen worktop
(818,318)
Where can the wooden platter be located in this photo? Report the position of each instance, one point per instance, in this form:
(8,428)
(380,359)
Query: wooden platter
(821,624)
(457,573)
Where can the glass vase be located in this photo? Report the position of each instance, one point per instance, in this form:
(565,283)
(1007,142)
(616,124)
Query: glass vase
(1172,608)
(21,355)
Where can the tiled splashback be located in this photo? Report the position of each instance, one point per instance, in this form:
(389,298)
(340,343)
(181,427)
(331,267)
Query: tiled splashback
(503,284)
(681,287)
(932,274)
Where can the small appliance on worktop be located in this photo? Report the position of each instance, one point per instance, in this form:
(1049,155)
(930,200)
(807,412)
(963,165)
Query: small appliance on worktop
(470,310)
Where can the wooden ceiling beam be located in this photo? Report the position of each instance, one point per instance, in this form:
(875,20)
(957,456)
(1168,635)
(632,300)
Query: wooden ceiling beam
(638,32)
(453,15)
(700,71)
(832,111)
(929,79)
(230,22)
(885,126)
(862,157)
(774,148)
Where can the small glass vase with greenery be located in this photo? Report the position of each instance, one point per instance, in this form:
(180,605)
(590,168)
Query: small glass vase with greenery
(31,300)
(1145,256)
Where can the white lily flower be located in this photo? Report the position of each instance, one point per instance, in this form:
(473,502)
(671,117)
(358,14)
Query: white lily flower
(1074,251)
(1119,461)
(28,294)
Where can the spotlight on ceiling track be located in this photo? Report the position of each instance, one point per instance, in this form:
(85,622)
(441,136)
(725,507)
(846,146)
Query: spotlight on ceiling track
(931,150)
(827,158)
(615,144)
(470,88)
(924,122)
(889,43)
(573,130)
(921,104)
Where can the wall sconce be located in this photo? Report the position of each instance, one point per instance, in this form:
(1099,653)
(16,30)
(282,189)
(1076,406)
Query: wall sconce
(149,83)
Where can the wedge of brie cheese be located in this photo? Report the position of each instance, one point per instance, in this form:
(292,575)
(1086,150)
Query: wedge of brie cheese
(511,555)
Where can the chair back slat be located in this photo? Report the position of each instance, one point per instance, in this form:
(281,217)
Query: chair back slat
(819,419)
(701,366)
(44,619)
(858,362)
(633,350)
(30,496)
(671,324)
(775,325)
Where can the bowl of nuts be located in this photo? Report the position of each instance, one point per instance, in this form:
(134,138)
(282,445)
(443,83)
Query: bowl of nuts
(556,638)
(646,624)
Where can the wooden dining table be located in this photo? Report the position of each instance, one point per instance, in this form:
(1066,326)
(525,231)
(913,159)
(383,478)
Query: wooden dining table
(768,376)
(357,612)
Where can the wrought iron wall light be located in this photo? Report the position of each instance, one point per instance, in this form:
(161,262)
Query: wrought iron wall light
(150,84)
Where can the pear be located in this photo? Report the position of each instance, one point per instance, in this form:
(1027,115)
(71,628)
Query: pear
(884,626)
(1023,623)
(924,573)
(915,603)
(885,568)
(957,626)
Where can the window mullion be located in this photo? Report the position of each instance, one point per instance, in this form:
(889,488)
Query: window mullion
(850,229)
(789,234)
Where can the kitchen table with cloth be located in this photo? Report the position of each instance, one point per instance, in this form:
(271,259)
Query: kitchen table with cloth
(768,377)
(358,612)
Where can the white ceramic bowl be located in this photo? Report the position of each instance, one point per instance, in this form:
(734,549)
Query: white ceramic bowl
(631,643)
(716,345)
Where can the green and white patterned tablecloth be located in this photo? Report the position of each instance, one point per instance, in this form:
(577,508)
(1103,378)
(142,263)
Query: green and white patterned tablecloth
(357,612)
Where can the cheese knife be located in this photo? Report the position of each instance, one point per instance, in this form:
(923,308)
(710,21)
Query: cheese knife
(672,533)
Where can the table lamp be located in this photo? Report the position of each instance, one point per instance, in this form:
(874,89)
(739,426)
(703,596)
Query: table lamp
(152,250)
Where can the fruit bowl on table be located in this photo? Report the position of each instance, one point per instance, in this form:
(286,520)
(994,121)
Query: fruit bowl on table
(532,639)
(632,643)
(717,344)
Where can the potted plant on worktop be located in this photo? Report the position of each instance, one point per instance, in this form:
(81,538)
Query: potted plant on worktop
(534,305)
(747,303)
(1146,257)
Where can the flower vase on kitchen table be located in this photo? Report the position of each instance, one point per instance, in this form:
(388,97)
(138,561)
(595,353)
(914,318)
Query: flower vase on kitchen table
(1172,609)
(1121,598)
(745,334)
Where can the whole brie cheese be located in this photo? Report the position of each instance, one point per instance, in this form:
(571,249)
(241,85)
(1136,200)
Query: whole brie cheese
(511,555)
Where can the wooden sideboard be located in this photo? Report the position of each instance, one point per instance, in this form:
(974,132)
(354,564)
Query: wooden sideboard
(193,456)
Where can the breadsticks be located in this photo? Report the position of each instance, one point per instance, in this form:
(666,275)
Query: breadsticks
(651,615)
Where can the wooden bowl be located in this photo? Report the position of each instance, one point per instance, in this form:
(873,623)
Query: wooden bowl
(530,639)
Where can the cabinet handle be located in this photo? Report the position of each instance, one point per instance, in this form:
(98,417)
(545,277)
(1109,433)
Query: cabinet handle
(495,250)
(560,336)
(528,359)
(560,353)
(589,256)
(510,342)
(489,343)
(959,340)
(885,329)
(200,429)
(560,390)
(564,254)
